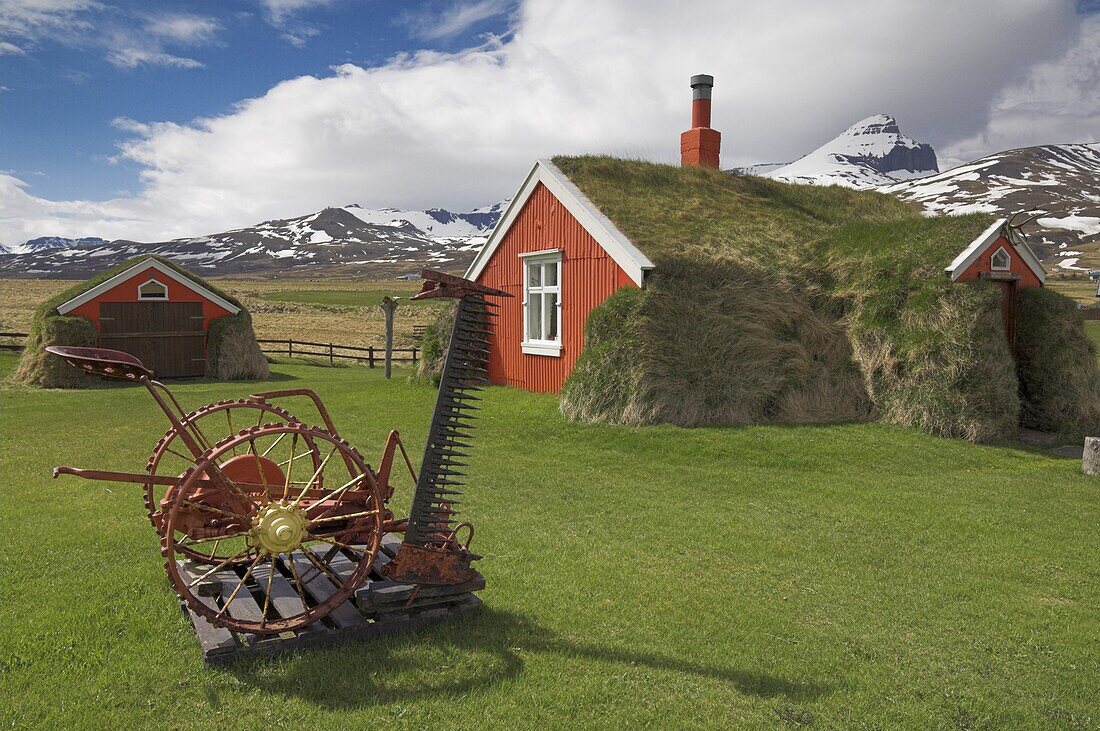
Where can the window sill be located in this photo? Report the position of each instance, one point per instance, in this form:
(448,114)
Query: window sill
(551,349)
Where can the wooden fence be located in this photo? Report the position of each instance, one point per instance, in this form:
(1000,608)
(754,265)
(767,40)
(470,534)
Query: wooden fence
(370,355)
(1090,313)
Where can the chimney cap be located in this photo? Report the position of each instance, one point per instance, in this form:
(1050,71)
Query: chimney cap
(702,80)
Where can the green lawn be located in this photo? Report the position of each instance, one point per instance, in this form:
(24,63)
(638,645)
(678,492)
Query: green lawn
(854,576)
(348,298)
(1092,328)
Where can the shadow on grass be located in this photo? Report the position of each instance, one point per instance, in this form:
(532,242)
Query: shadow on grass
(464,656)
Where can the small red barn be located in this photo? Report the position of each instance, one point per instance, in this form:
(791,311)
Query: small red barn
(1000,255)
(154,312)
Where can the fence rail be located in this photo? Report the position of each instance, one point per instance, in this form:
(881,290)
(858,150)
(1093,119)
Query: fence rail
(370,355)
(1090,313)
(12,346)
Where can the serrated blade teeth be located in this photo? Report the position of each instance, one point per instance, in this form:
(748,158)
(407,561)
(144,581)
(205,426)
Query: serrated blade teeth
(465,372)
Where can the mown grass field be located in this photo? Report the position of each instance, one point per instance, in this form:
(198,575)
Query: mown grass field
(847,576)
(348,298)
(1093,329)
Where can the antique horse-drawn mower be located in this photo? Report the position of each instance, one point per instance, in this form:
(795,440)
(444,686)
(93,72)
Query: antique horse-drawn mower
(248,498)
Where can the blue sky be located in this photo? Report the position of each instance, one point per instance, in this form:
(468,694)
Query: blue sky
(153,120)
(62,95)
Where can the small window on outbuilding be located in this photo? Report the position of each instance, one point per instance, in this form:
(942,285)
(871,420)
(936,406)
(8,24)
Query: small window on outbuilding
(153,290)
(1000,261)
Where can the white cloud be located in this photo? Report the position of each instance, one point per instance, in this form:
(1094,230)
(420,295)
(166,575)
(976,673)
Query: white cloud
(22,216)
(278,11)
(130,47)
(10,49)
(1058,101)
(285,15)
(133,56)
(182,28)
(299,34)
(454,19)
(461,129)
(128,41)
(36,19)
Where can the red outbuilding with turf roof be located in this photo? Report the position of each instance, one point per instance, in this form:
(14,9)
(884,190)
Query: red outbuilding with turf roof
(152,311)
(1000,255)
(996,256)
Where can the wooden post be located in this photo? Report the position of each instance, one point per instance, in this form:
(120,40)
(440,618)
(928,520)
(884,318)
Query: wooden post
(1090,459)
(370,356)
(414,356)
(389,305)
(331,362)
(289,348)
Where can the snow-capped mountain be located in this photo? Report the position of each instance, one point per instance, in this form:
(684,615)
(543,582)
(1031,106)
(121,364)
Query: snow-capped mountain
(1062,181)
(353,238)
(871,153)
(434,221)
(46,243)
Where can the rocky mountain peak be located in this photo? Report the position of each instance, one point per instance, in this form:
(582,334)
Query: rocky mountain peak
(876,124)
(870,153)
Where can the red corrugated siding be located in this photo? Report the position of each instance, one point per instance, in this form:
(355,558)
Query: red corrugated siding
(983,264)
(589,276)
(127,291)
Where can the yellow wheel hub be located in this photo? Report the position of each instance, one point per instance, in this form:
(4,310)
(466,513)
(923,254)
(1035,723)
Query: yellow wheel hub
(279,527)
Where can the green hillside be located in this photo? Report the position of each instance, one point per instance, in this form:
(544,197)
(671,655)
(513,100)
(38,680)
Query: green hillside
(784,303)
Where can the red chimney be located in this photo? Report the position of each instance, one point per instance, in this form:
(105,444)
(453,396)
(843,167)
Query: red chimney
(699,145)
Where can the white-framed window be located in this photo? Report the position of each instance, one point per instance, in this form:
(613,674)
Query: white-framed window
(1000,261)
(153,290)
(542,302)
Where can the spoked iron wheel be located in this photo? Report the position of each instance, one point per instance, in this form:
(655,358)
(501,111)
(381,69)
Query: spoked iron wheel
(208,425)
(315,530)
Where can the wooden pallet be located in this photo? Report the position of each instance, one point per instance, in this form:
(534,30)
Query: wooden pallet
(379,607)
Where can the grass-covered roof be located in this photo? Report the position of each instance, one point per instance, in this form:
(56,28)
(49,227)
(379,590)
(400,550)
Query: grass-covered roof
(665,210)
(780,302)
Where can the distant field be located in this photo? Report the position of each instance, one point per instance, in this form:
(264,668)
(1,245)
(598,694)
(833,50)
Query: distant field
(1077,288)
(348,298)
(1092,327)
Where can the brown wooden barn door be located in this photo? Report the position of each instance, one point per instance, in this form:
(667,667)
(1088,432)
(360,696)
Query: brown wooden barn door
(166,336)
(1010,305)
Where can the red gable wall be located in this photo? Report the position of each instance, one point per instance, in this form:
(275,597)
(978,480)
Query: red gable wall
(589,276)
(982,264)
(127,291)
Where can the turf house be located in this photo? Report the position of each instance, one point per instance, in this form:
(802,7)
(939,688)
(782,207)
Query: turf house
(176,323)
(650,293)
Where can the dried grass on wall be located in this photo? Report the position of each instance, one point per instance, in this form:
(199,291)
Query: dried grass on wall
(232,351)
(1059,378)
(45,370)
(715,342)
